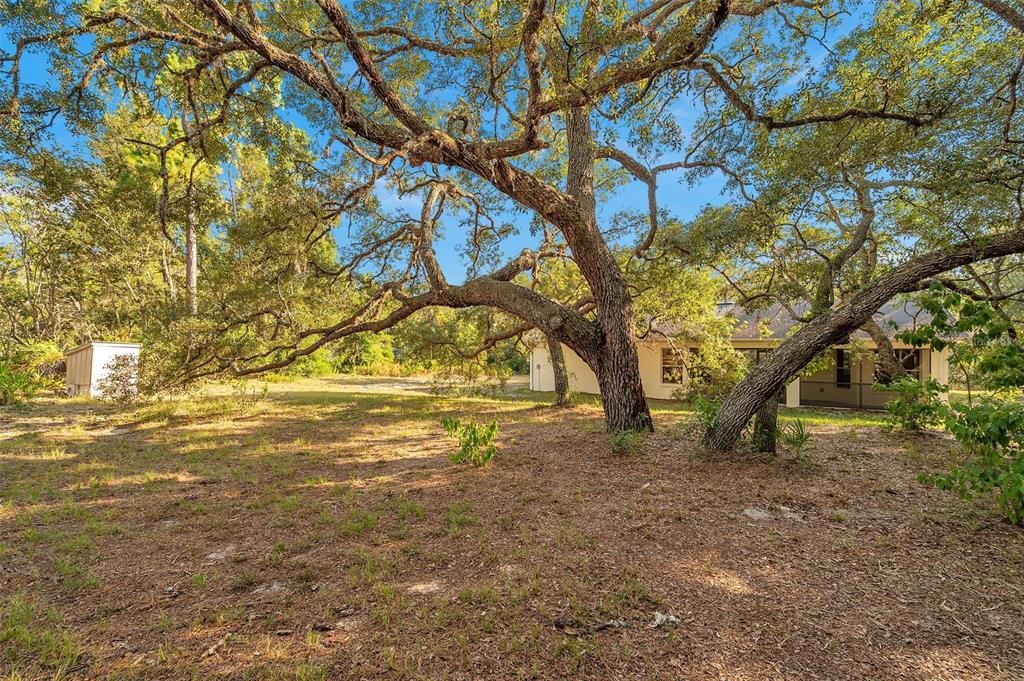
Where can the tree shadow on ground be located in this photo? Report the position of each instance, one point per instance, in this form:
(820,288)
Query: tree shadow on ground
(330,535)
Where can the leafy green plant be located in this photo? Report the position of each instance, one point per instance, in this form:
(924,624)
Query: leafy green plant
(992,433)
(315,364)
(627,442)
(29,369)
(475,441)
(990,429)
(712,370)
(17,384)
(705,409)
(795,436)
(916,404)
(979,342)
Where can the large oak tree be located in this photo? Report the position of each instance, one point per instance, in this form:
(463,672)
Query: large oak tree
(482,110)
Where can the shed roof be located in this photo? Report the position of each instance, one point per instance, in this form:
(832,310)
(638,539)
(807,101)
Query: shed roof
(108,344)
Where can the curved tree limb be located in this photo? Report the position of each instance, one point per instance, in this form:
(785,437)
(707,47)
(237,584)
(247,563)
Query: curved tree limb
(795,352)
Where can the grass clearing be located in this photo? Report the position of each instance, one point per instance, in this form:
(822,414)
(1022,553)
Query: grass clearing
(33,642)
(323,534)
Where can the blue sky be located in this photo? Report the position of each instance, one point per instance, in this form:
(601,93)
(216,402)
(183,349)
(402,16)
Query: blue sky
(674,195)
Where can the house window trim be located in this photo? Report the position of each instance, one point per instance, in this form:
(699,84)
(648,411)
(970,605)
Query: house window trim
(678,365)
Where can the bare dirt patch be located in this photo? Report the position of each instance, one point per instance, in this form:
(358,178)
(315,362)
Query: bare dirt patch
(325,535)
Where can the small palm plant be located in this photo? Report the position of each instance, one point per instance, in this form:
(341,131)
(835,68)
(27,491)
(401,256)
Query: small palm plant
(795,436)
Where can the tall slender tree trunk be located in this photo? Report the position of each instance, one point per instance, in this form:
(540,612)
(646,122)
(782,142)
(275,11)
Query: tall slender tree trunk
(616,362)
(558,368)
(165,270)
(191,254)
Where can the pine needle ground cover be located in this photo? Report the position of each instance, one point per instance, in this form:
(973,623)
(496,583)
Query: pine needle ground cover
(322,533)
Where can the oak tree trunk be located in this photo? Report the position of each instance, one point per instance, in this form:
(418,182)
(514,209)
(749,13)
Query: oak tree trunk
(622,393)
(616,362)
(766,425)
(558,368)
(887,367)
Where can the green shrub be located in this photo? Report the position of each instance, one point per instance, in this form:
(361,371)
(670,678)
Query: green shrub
(627,442)
(45,359)
(712,370)
(992,433)
(17,384)
(475,441)
(29,369)
(916,404)
(317,363)
(706,410)
(990,430)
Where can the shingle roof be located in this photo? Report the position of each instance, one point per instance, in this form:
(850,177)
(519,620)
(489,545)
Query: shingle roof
(779,323)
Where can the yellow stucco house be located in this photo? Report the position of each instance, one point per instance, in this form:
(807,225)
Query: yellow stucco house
(845,384)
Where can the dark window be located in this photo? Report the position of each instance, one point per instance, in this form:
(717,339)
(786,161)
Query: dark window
(754,356)
(910,358)
(673,366)
(843,362)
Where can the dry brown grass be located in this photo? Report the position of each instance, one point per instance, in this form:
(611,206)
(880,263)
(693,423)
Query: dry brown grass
(323,534)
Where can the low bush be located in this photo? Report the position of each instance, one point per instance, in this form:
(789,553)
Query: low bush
(706,410)
(17,384)
(28,370)
(916,404)
(318,363)
(121,382)
(795,436)
(627,442)
(475,441)
(712,371)
(992,433)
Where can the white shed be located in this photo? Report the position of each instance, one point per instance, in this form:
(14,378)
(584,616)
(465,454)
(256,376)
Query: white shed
(87,365)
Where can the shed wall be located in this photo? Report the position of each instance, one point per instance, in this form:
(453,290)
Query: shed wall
(87,366)
(79,370)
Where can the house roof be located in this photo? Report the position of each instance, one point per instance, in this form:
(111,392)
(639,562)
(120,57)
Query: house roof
(776,322)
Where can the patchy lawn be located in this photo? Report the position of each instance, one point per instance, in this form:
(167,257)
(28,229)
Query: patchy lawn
(322,534)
